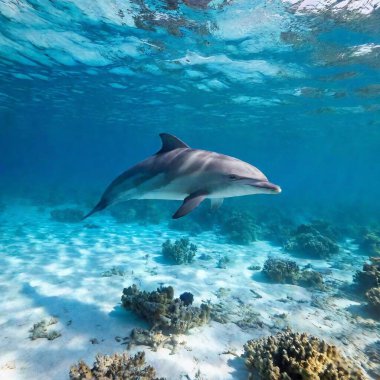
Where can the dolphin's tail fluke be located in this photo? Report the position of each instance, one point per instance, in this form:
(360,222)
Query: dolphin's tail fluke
(100,206)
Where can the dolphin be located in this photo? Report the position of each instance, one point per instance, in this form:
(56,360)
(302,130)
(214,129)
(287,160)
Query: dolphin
(178,172)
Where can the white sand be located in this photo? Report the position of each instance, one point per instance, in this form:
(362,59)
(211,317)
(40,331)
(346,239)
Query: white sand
(54,269)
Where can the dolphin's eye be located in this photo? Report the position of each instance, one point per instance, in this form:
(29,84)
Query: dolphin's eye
(233,177)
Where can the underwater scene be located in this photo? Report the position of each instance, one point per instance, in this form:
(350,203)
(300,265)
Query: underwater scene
(189,189)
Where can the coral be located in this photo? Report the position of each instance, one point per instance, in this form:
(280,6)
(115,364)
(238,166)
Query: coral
(254,267)
(205,257)
(278,232)
(114,367)
(40,330)
(310,241)
(311,279)
(153,339)
(144,337)
(288,272)
(282,271)
(206,218)
(187,298)
(163,311)
(114,271)
(373,298)
(67,215)
(222,262)
(369,277)
(321,226)
(288,355)
(181,252)
(372,352)
(239,228)
(370,243)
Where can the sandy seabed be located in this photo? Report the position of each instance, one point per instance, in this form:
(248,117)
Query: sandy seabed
(51,269)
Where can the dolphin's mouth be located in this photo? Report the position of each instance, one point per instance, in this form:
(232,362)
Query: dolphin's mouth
(263,185)
(268,186)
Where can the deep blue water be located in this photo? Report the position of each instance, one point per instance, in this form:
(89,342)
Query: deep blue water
(85,90)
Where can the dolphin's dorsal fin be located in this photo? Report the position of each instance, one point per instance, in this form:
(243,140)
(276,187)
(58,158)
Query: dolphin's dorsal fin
(170,142)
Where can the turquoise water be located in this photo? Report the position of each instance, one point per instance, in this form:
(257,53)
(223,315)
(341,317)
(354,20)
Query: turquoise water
(86,87)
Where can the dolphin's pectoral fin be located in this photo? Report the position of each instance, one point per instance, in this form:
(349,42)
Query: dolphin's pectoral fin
(216,203)
(190,203)
(170,142)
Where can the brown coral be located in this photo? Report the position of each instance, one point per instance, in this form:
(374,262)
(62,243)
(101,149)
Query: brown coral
(373,298)
(369,277)
(370,243)
(163,311)
(288,355)
(314,240)
(116,366)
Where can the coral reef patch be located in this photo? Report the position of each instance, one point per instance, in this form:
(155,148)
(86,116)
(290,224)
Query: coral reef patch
(369,277)
(370,243)
(239,228)
(288,272)
(289,355)
(282,271)
(179,252)
(313,241)
(373,299)
(163,311)
(115,367)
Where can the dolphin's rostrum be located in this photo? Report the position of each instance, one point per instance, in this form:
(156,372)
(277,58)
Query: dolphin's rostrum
(178,172)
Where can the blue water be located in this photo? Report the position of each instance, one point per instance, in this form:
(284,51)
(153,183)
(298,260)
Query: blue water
(87,86)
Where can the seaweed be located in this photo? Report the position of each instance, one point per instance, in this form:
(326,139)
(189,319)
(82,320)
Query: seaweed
(116,366)
(163,311)
(181,252)
(288,355)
